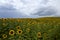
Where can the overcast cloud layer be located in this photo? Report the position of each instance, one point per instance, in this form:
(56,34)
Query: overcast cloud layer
(29,8)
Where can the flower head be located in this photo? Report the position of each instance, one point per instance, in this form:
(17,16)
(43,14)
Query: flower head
(19,31)
(4,24)
(11,32)
(18,27)
(39,34)
(18,20)
(4,36)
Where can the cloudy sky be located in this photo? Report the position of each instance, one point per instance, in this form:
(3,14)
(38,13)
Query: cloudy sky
(29,8)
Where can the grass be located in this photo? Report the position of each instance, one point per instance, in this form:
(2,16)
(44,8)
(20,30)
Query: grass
(30,29)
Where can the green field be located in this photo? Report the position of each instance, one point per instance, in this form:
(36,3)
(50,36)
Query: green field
(30,28)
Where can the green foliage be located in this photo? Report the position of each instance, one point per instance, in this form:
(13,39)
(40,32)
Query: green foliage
(30,28)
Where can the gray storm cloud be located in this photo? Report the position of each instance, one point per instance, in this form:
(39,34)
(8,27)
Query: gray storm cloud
(29,8)
(48,11)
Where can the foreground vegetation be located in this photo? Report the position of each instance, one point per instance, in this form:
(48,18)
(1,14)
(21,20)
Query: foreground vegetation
(30,29)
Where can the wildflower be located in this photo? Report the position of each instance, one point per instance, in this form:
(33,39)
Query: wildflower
(39,34)
(18,27)
(45,35)
(4,36)
(4,24)
(18,20)
(4,20)
(19,31)
(11,32)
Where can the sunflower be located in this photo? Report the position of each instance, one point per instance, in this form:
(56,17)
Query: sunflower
(18,20)
(39,34)
(11,32)
(4,24)
(4,36)
(45,35)
(19,31)
(4,19)
(18,27)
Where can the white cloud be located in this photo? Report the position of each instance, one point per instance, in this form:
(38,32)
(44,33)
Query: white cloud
(24,6)
(56,5)
(29,7)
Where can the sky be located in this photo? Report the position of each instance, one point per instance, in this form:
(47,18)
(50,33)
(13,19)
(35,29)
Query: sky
(29,8)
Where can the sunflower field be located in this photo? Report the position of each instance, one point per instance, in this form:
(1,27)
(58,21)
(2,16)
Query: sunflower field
(30,28)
